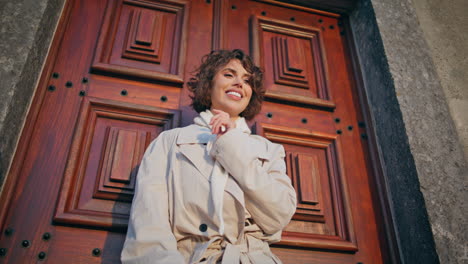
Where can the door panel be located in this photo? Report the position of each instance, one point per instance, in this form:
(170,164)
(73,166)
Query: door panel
(109,144)
(293,57)
(121,67)
(144,39)
(322,219)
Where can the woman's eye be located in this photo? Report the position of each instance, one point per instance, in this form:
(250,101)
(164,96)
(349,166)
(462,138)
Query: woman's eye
(227,75)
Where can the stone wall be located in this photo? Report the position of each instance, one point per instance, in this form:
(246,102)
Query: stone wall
(26,27)
(445,28)
(444,25)
(407,99)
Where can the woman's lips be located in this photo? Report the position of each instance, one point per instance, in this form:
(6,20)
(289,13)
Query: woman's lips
(234,95)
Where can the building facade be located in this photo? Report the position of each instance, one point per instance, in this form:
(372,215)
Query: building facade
(411,58)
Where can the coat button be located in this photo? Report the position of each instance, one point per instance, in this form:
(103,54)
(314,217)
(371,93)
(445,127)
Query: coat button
(203,227)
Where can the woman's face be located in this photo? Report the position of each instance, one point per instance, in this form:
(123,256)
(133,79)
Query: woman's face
(231,91)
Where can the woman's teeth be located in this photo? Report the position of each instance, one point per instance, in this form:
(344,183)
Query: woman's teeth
(235,94)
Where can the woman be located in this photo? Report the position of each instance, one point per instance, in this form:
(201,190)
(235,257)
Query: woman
(211,192)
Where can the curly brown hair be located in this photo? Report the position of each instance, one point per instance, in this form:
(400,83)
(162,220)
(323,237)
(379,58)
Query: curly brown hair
(202,82)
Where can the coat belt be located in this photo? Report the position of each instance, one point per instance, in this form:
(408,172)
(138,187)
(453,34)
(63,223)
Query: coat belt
(230,253)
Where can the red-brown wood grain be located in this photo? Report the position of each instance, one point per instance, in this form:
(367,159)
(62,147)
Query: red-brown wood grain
(74,171)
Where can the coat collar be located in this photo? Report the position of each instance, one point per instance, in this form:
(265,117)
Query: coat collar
(200,131)
(195,134)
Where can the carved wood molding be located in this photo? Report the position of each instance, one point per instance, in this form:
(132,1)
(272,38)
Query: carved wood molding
(220,24)
(145,39)
(313,162)
(291,45)
(107,147)
(338,6)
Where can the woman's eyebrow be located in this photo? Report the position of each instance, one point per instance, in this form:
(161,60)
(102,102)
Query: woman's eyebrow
(235,72)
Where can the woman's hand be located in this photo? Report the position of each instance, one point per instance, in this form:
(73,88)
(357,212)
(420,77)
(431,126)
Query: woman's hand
(221,122)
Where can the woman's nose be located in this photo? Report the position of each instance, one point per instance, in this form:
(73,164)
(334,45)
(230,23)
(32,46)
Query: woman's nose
(238,82)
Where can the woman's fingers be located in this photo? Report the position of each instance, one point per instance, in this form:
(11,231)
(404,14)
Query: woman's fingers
(217,125)
(220,122)
(214,125)
(217,116)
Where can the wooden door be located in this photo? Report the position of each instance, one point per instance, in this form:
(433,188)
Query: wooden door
(115,79)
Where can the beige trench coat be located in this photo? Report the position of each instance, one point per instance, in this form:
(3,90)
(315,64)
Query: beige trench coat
(172,219)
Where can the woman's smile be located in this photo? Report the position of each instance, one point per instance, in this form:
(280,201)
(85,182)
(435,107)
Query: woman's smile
(231,90)
(235,95)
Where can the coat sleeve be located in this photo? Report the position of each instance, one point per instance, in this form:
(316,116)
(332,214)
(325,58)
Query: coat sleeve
(149,237)
(259,168)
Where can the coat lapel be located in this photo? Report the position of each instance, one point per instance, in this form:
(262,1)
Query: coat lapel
(233,188)
(191,143)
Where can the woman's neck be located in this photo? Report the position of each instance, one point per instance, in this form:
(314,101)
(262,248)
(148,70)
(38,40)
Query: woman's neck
(234,118)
